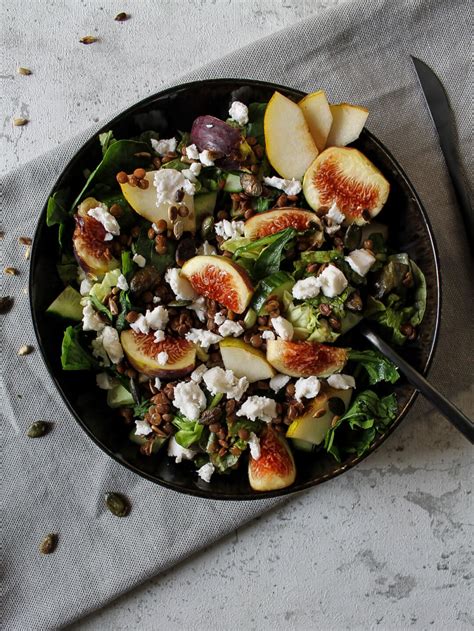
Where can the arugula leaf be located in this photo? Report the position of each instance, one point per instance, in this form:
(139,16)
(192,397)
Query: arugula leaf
(367,416)
(127,263)
(99,306)
(146,247)
(377,366)
(269,260)
(140,409)
(189,432)
(73,355)
(255,124)
(420,294)
(106,139)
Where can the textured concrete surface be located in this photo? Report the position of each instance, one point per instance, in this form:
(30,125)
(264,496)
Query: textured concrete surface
(386,546)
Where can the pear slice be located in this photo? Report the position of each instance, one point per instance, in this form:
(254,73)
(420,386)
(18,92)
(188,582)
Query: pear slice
(143,201)
(347,123)
(318,115)
(289,144)
(244,360)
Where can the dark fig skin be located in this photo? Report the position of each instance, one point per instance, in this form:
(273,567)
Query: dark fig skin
(213,134)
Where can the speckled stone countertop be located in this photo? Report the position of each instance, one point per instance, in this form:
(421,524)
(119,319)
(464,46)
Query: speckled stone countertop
(384,546)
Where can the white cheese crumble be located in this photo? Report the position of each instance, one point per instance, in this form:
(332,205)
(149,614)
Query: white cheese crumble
(290,187)
(85,287)
(307,388)
(142,428)
(202,337)
(341,382)
(306,288)
(192,152)
(333,219)
(180,285)
(167,183)
(162,358)
(111,343)
(206,158)
(159,336)
(108,236)
(268,335)
(229,229)
(206,249)
(98,351)
(332,281)
(278,382)
(239,113)
(198,373)
(179,453)
(189,399)
(156,300)
(205,472)
(254,446)
(360,261)
(189,175)
(230,328)
(157,383)
(199,308)
(104,381)
(102,215)
(157,319)
(139,260)
(164,146)
(122,283)
(257,407)
(91,320)
(283,328)
(195,168)
(219,318)
(140,325)
(218,380)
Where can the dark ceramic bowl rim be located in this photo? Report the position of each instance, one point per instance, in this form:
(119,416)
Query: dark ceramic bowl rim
(208,494)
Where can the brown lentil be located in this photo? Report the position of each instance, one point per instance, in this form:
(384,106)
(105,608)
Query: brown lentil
(368,244)
(282,201)
(122,177)
(151,234)
(290,390)
(161,226)
(143,184)
(156,162)
(243,434)
(133,181)
(256,341)
(116,210)
(139,173)
(132,316)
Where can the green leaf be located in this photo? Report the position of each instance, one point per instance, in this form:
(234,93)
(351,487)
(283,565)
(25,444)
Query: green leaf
(73,355)
(146,247)
(224,463)
(189,432)
(321,256)
(269,260)
(99,306)
(255,124)
(141,409)
(125,307)
(147,136)
(420,294)
(67,272)
(127,263)
(377,366)
(56,212)
(106,139)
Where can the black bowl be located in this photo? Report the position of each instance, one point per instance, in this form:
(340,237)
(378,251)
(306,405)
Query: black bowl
(167,112)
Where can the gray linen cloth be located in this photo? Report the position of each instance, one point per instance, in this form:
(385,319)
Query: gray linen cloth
(358,52)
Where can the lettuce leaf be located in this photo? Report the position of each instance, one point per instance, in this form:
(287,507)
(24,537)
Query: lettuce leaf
(376,365)
(73,355)
(189,432)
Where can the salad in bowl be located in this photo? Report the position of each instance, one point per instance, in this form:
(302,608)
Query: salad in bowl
(213,279)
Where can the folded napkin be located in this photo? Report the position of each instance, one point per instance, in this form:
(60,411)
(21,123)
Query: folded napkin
(358,52)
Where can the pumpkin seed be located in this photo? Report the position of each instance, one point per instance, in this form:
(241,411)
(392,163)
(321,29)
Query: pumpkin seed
(49,544)
(121,17)
(117,504)
(178,229)
(24,71)
(207,228)
(88,39)
(336,405)
(353,236)
(19,122)
(37,429)
(6,303)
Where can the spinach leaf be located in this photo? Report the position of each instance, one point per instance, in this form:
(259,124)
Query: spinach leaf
(189,432)
(120,156)
(255,124)
(146,247)
(125,307)
(390,317)
(377,366)
(269,260)
(99,306)
(106,139)
(56,212)
(224,463)
(367,416)
(147,136)
(73,355)
(420,294)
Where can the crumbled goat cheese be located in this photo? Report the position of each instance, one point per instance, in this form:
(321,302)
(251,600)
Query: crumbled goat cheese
(218,380)
(195,168)
(111,343)
(179,284)
(102,215)
(239,112)
(122,283)
(268,335)
(290,187)
(108,236)
(360,261)
(188,188)
(332,281)
(206,249)
(104,381)
(307,388)
(283,328)
(198,373)
(219,318)
(202,337)
(192,152)
(157,319)
(189,399)
(230,328)
(162,358)
(257,407)
(254,446)
(341,382)
(157,383)
(142,428)
(199,308)
(306,288)
(333,219)
(86,286)
(179,453)
(164,146)
(167,183)
(206,158)
(159,336)
(189,175)
(156,300)
(205,472)
(91,320)
(139,260)
(140,325)
(229,229)
(278,382)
